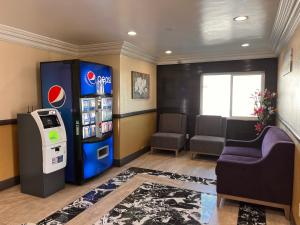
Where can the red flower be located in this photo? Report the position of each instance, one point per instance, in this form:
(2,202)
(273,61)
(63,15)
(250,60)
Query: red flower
(259,127)
(258,111)
(263,108)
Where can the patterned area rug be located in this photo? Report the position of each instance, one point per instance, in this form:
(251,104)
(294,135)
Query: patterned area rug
(250,214)
(158,204)
(247,213)
(73,209)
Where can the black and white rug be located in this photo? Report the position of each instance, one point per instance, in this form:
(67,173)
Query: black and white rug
(76,207)
(250,214)
(159,204)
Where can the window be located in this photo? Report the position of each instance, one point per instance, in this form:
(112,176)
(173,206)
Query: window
(229,95)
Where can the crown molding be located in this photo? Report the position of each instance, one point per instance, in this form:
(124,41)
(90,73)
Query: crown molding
(12,34)
(112,48)
(108,48)
(195,58)
(128,49)
(286,22)
(16,35)
(132,50)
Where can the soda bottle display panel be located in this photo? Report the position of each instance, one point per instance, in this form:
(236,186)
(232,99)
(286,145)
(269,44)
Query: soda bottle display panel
(92,117)
(88,115)
(85,105)
(85,132)
(92,104)
(93,130)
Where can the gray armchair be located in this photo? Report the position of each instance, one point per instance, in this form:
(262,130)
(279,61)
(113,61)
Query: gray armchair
(209,136)
(171,134)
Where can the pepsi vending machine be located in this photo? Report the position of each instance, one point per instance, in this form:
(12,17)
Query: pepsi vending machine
(82,92)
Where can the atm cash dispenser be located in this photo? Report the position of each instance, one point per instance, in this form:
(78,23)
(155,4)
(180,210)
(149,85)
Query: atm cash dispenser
(42,152)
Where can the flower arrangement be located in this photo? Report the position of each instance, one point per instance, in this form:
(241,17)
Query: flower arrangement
(264,102)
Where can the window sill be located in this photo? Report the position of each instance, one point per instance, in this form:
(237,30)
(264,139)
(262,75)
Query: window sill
(242,118)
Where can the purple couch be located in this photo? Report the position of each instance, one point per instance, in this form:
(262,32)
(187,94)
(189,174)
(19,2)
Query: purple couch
(258,171)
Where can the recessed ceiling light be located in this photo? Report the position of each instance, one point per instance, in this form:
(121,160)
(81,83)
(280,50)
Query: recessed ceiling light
(245,45)
(168,52)
(240,18)
(131,33)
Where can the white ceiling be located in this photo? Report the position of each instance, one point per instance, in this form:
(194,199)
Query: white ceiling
(183,26)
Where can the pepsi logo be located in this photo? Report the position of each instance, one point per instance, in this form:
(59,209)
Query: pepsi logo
(91,78)
(56,96)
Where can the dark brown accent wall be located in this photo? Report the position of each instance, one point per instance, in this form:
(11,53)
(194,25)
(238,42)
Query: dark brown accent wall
(178,86)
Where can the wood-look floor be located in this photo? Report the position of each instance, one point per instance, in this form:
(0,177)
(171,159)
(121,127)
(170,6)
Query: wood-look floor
(17,208)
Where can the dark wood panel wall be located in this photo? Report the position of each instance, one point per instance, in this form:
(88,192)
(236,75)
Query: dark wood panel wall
(178,87)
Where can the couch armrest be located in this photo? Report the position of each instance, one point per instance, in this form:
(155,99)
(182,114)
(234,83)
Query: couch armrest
(255,143)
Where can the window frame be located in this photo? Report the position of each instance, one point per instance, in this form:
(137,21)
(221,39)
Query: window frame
(232,74)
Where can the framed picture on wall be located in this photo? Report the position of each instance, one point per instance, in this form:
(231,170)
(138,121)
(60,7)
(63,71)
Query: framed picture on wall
(140,85)
(287,65)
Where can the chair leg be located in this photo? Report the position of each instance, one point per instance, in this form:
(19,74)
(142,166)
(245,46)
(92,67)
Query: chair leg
(176,153)
(152,150)
(193,155)
(219,198)
(287,211)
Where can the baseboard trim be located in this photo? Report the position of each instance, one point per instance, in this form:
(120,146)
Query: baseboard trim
(9,183)
(129,158)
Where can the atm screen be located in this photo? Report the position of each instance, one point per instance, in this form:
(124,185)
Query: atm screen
(50,121)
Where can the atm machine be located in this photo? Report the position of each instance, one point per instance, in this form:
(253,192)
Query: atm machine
(42,152)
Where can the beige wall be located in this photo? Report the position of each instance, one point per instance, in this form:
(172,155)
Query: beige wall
(135,133)
(127,104)
(19,75)
(9,166)
(19,87)
(289,85)
(289,110)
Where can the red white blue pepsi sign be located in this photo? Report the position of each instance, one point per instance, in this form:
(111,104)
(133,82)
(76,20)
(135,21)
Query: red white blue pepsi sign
(91,74)
(91,78)
(56,96)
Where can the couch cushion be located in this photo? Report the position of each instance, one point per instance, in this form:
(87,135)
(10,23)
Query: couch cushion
(207,144)
(172,123)
(235,159)
(242,151)
(167,140)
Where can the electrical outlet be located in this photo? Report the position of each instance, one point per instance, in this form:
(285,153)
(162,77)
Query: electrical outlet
(187,136)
